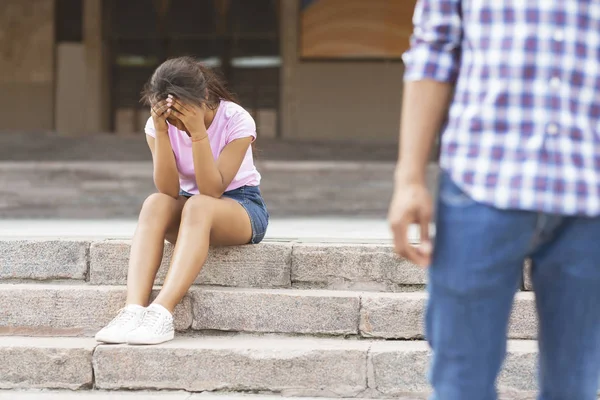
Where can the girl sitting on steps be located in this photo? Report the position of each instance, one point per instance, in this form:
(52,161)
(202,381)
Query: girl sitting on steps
(201,144)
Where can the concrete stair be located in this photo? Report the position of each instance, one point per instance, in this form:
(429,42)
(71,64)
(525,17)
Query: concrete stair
(76,310)
(180,395)
(277,319)
(144,395)
(289,366)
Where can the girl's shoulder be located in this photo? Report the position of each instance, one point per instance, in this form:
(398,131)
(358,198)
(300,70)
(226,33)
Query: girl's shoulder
(236,122)
(233,112)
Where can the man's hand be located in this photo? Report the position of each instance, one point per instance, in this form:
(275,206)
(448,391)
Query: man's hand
(411,204)
(191,116)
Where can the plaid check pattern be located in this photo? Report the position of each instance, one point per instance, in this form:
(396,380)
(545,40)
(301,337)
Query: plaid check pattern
(523,130)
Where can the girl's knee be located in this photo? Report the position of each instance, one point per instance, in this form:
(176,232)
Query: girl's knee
(198,206)
(158,200)
(157,204)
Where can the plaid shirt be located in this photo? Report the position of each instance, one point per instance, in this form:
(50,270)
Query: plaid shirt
(523,130)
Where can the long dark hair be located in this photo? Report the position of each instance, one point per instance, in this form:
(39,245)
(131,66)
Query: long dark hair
(186,79)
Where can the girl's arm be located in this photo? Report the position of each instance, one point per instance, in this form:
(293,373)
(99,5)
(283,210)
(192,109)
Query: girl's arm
(166,176)
(213,177)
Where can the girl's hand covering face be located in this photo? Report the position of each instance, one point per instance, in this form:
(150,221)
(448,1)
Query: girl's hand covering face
(160,111)
(191,116)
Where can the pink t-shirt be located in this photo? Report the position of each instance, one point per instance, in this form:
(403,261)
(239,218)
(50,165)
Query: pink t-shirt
(231,122)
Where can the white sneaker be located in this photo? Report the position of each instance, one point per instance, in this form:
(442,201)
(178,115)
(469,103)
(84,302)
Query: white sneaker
(156,327)
(126,320)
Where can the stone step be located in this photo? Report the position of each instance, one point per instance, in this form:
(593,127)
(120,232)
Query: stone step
(46,363)
(182,395)
(269,264)
(341,266)
(148,395)
(105,262)
(280,365)
(267,364)
(75,310)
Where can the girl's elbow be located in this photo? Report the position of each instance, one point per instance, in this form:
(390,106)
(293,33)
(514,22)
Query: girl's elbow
(215,190)
(174,195)
(214,193)
(171,192)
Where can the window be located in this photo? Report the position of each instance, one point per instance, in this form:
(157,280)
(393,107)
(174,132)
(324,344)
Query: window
(238,37)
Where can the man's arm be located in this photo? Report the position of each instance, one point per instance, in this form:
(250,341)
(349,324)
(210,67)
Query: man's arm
(424,108)
(432,66)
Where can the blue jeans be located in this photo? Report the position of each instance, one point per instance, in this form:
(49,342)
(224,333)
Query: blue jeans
(475,272)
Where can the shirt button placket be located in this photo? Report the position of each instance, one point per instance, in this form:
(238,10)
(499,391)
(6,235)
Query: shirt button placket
(554,83)
(558,38)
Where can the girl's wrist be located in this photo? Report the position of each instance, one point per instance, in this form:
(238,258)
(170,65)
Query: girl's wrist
(199,138)
(198,134)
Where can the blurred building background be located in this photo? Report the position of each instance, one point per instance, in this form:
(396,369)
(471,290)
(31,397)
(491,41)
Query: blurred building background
(323,79)
(306,69)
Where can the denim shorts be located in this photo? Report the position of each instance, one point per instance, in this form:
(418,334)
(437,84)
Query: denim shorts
(250,198)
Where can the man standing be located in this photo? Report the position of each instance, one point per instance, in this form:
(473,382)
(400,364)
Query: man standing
(516,85)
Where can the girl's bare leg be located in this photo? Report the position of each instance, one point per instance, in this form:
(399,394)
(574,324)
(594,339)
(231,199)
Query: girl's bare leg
(204,220)
(159,219)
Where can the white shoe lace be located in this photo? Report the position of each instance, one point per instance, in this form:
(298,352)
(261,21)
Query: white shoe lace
(154,321)
(123,317)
